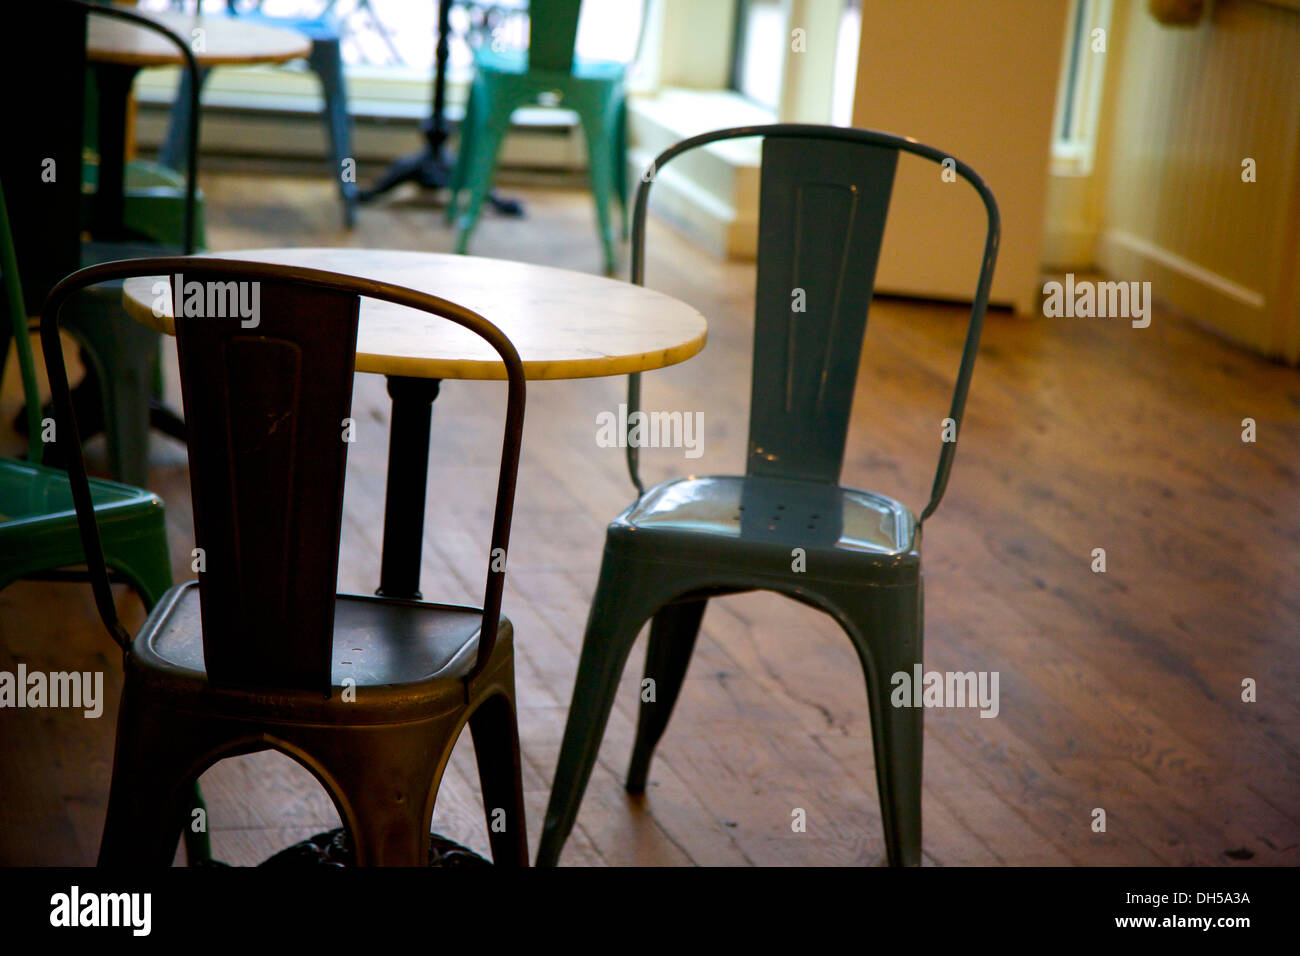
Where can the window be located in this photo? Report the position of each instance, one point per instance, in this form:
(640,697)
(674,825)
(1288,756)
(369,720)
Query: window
(1078,98)
(402,34)
(759,51)
(763,42)
(846,63)
(388,51)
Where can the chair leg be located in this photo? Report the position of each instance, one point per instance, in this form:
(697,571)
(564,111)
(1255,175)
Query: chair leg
(464,158)
(886,628)
(490,126)
(148,796)
(618,610)
(596,127)
(382,779)
(198,846)
(620,165)
(496,747)
(124,354)
(172,152)
(326,60)
(127,389)
(672,639)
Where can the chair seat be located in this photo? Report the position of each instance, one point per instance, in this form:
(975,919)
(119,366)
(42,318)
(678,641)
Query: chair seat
(38,527)
(378,643)
(723,518)
(516,62)
(153,210)
(34,494)
(142,178)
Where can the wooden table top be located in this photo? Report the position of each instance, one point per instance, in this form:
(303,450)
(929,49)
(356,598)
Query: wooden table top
(564,324)
(226,40)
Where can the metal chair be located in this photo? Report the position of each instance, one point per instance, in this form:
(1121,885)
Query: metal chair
(120,394)
(38,525)
(153,206)
(824,196)
(154,196)
(369,694)
(507,80)
(325,60)
(39,537)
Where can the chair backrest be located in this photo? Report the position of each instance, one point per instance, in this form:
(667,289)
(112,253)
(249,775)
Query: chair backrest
(824,199)
(552,32)
(17,327)
(267,355)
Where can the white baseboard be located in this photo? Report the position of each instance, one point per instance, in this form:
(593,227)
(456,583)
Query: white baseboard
(1231,309)
(540,139)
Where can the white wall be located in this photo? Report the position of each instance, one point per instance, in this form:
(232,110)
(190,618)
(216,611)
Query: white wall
(978,80)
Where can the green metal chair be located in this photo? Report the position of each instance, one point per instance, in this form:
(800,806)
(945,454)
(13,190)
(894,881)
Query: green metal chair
(120,393)
(39,534)
(824,196)
(153,205)
(124,383)
(38,524)
(506,80)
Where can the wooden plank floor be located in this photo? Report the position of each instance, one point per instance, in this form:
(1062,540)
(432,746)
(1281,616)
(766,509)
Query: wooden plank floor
(1119,690)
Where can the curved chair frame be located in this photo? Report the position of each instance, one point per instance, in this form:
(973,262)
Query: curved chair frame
(871,138)
(232,268)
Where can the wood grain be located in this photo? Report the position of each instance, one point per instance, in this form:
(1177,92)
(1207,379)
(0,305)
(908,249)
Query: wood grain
(1119,690)
(563,324)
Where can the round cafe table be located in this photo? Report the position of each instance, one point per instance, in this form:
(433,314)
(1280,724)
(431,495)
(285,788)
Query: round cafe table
(118,49)
(563,324)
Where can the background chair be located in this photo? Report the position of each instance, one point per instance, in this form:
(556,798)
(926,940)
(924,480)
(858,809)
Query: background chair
(154,202)
(369,694)
(38,524)
(121,392)
(325,60)
(153,205)
(824,197)
(39,536)
(507,80)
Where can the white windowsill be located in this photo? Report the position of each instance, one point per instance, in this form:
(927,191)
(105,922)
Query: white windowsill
(243,106)
(712,194)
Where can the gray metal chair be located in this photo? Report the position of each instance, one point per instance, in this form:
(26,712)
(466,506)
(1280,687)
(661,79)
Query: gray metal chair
(825,195)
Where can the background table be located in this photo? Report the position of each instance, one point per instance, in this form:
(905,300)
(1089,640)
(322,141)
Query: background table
(430,166)
(118,50)
(563,324)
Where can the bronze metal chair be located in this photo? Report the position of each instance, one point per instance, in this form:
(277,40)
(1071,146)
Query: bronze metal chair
(367,693)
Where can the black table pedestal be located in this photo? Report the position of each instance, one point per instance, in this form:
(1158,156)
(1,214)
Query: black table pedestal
(429,167)
(113,82)
(408,475)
